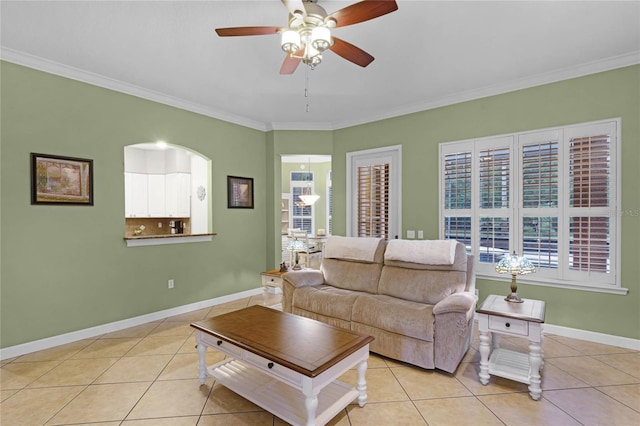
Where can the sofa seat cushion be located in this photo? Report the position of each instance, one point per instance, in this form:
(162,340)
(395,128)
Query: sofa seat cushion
(326,300)
(395,315)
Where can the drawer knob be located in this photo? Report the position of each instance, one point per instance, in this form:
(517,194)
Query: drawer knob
(507,325)
(270,365)
(219,342)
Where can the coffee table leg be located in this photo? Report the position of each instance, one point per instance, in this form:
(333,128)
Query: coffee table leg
(202,361)
(362,383)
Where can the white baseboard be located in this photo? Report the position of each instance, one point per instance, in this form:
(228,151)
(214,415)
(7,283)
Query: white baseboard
(592,336)
(50,342)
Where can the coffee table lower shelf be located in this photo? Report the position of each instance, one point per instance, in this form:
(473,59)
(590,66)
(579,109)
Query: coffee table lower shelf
(279,398)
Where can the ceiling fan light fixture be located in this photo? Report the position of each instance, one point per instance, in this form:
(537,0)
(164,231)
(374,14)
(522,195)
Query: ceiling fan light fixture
(290,42)
(312,56)
(321,38)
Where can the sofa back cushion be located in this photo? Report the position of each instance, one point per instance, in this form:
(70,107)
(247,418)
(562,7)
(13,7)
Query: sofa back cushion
(424,275)
(353,263)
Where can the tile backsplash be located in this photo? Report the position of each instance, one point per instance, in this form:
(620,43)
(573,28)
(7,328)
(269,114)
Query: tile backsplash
(154,226)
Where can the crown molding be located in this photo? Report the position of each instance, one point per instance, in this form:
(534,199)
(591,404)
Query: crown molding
(62,70)
(568,73)
(56,68)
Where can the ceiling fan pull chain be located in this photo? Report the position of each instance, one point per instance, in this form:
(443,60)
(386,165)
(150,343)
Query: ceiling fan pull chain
(306,86)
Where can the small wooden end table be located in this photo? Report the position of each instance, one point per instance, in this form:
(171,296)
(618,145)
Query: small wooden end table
(497,316)
(287,364)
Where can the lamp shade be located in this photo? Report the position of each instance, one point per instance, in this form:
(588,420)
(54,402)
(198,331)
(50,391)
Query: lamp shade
(309,200)
(296,245)
(514,265)
(290,41)
(321,38)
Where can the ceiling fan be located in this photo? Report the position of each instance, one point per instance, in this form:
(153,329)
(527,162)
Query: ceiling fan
(308,33)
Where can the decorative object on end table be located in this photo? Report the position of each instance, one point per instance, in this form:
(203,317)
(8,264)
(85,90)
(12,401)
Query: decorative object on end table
(239,192)
(283,267)
(61,180)
(296,246)
(514,265)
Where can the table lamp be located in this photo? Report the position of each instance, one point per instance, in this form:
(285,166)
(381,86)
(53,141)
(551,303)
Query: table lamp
(514,265)
(296,246)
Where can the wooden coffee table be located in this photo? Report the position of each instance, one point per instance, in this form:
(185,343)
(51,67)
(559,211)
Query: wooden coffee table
(287,364)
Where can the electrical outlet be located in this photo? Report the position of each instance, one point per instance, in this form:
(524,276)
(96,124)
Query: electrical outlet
(411,234)
(159,224)
(421,235)
(170,283)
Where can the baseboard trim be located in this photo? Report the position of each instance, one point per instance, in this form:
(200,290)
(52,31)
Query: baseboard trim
(62,339)
(592,336)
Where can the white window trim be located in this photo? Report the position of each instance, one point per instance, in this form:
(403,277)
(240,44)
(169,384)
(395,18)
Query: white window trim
(485,271)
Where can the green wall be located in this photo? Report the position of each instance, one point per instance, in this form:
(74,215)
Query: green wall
(66,268)
(595,97)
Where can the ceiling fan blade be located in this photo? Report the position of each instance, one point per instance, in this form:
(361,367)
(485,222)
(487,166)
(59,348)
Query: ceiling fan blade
(246,31)
(363,11)
(350,52)
(295,6)
(290,63)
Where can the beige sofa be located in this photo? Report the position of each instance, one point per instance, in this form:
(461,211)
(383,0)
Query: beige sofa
(417,298)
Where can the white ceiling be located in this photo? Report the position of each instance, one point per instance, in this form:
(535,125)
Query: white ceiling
(428,54)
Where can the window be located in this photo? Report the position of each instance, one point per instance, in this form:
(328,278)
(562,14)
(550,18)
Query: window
(549,194)
(302,215)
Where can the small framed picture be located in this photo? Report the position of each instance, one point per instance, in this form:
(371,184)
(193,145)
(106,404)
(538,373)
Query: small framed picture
(61,180)
(239,192)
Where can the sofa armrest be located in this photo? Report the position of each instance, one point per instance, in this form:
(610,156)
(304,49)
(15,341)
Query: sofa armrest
(295,279)
(453,329)
(456,302)
(303,278)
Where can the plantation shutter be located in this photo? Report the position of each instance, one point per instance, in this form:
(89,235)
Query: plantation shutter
(540,174)
(589,192)
(457,197)
(373,201)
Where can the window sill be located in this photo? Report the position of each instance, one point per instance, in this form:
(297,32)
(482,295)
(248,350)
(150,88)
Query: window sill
(156,240)
(598,288)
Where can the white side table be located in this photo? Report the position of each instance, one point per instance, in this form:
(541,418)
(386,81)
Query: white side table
(497,316)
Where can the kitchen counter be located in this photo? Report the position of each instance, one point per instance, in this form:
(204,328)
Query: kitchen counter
(152,240)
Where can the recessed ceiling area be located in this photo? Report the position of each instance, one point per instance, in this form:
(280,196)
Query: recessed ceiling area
(427,54)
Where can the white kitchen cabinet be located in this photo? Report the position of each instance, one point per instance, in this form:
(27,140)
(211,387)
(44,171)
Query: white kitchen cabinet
(178,195)
(156,195)
(136,203)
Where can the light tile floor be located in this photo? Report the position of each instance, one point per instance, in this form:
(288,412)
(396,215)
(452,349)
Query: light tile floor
(147,375)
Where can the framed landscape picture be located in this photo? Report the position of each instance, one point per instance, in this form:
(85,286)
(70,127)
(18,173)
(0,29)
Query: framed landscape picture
(239,192)
(61,180)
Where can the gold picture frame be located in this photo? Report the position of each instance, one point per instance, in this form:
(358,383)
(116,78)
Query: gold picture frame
(61,180)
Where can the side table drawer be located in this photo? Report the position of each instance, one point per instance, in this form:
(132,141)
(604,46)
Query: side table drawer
(271,281)
(507,325)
